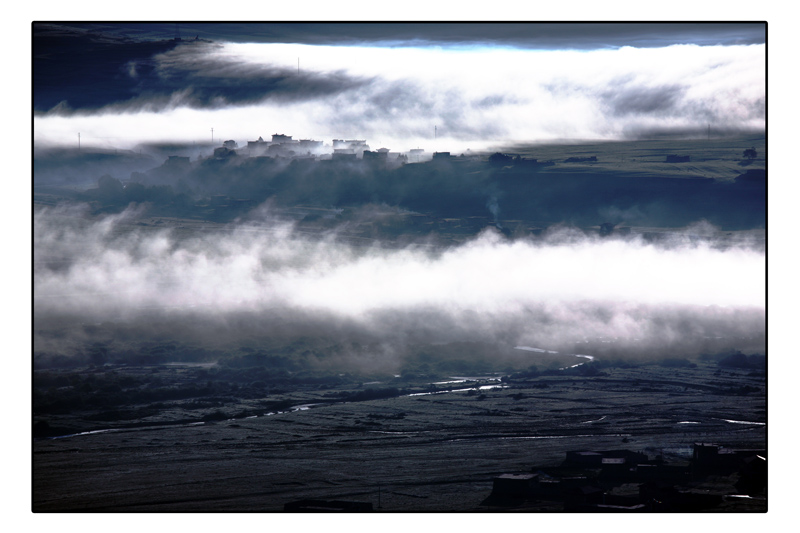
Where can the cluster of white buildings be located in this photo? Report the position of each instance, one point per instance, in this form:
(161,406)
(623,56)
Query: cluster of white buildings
(284,145)
(341,149)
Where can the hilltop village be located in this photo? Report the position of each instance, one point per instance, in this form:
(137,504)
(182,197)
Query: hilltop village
(609,188)
(284,146)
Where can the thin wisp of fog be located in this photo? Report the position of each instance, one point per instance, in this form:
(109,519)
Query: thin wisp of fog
(553,291)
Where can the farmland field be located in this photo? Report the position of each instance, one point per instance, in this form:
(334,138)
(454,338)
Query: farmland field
(421,452)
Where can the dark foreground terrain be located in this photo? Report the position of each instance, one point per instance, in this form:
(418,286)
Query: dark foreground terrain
(402,445)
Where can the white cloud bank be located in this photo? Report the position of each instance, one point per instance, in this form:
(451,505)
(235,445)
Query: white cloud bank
(475,97)
(554,291)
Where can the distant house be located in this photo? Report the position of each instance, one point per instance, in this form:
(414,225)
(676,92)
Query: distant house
(499,159)
(282,149)
(358,146)
(375,156)
(222,153)
(716,457)
(353,144)
(281,138)
(703,452)
(514,485)
(305,146)
(343,154)
(257,147)
(415,154)
(284,146)
(584,458)
(230,145)
(585,494)
(608,457)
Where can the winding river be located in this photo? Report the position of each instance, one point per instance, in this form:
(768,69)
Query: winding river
(589,358)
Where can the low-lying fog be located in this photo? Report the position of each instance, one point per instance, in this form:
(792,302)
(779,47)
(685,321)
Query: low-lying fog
(263,278)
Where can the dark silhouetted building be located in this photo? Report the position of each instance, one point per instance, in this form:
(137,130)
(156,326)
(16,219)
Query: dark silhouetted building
(375,156)
(415,155)
(222,153)
(343,154)
(608,457)
(281,138)
(515,485)
(307,145)
(707,456)
(257,147)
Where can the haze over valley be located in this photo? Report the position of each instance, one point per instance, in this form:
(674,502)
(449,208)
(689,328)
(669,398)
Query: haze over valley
(406,242)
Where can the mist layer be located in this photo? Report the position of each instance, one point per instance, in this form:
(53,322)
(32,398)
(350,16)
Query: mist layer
(264,278)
